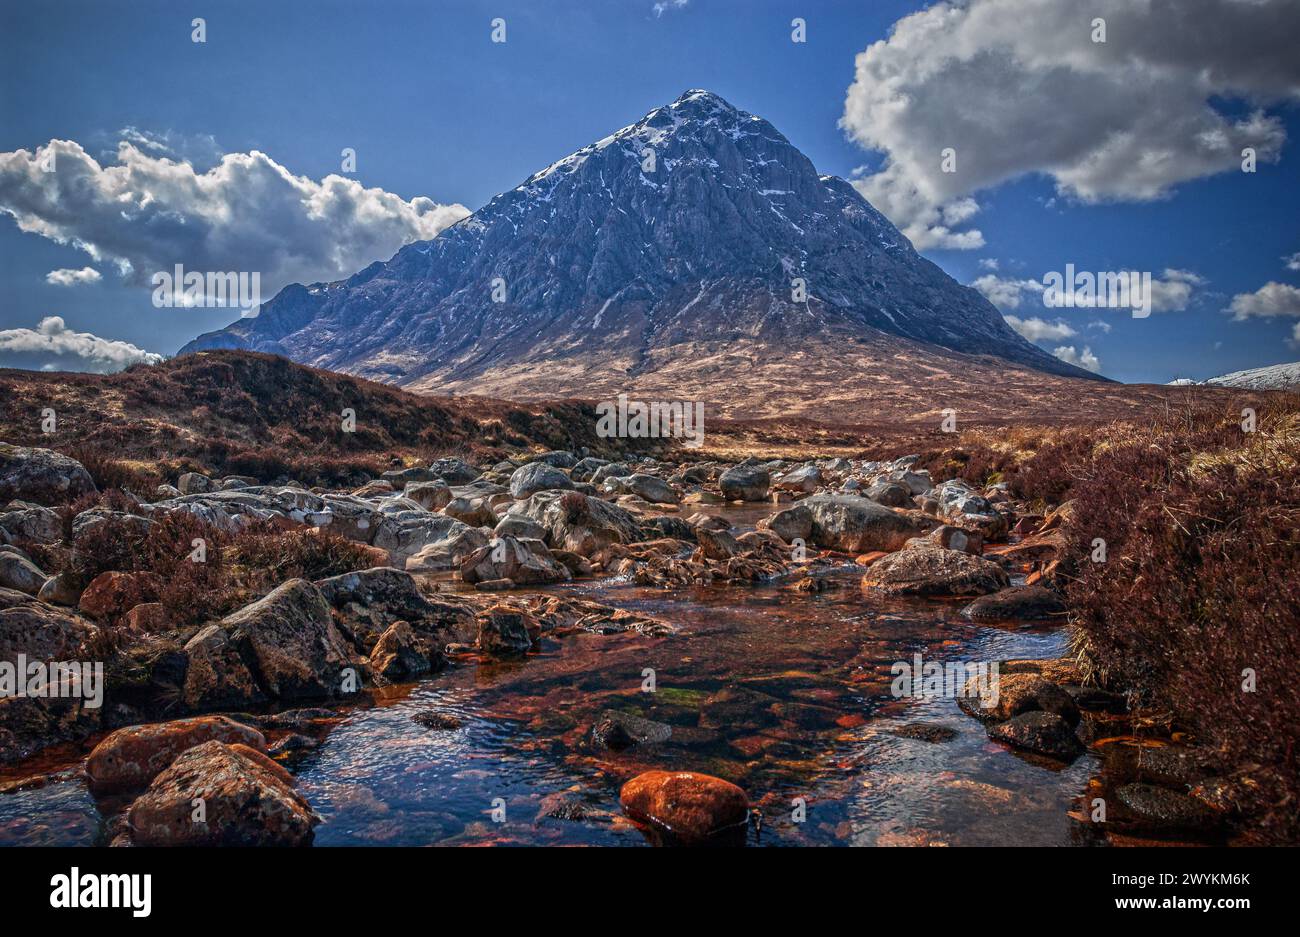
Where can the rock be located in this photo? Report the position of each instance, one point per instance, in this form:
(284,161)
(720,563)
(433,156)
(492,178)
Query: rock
(586,469)
(216,676)
(111,595)
(193,483)
(518,526)
(1043,733)
(398,654)
(716,544)
(453,471)
(806,479)
(525,562)
(667,526)
(495,585)
(59,590)
(792,524)
(688,806)
(431,495)
(954,538)
(744,483)
(245,802)
(1175,766)
(21,574)
(618,731)
(932,570)
(505,631)
(31,522)
(290,637)
(925,732)
(889,494)
(366,603)
(435,719)
(853,524)
(454,541)
(402,478)
(578,523)
(1017,603)
(1165,808)
(476,512)
(39,631)
(41,476)
(148,618)
(649,488)
(529,479)
(1016,693)
(558,458)
(129,759)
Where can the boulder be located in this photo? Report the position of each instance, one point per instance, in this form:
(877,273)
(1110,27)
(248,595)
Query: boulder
(41,476)
(1163,808)
(292,642)
(505,631)
(889,494)
(31,522)
(40,631)
(476,512)
(578,523)
(244,801)
(955,538)
(529,479)
(931,570)
(366,603)
(558,458)
(401,478)
(1017,603)
(716,544)
(523,561)
(216,676)
(618,731)
(1043,733)
(1016,693)
(647,487)
(515,525)
(744,483)
(193,483)
(430,495)
(129,759)
(21,574)
(792,524)
(853,524)
(59,590)
(453,471)
(399,654)
(430,542)
(586,469)
(111,595)
(805,479)
(690,807)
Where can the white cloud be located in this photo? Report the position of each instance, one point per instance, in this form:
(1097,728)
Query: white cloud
(1086,359)
(1016,87)
(1269,301)
(1006,292)
(245,214)
(69,277)
(52,346)
(1100,325)
(989,263)
(663,6)
(1035,329)
(1292,262)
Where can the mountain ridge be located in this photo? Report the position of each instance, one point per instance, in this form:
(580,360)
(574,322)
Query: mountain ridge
(683,235)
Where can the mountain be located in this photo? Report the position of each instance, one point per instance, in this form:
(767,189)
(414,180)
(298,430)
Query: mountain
(1272,377)
(659,259)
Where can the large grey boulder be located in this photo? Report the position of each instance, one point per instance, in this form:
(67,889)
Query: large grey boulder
(578,523)
(529,479)
(852,524)
(744,483)
(41,476)
(522,561)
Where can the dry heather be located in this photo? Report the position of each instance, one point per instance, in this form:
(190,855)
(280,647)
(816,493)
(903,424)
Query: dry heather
(1198,594)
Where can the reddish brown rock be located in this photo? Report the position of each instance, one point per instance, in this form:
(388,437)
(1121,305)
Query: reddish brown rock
(113,594)
(687,805)
(932,570)
(217,795)
(148,618)
(130,758)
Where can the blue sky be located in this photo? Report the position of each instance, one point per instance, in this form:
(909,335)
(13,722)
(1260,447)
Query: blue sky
(433,108)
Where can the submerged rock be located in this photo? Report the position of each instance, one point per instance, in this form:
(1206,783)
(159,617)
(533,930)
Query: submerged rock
(1043,733)
(1017,603)
(618,731)
(690,807)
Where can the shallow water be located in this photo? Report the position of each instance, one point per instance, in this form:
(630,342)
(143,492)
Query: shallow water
(786,694)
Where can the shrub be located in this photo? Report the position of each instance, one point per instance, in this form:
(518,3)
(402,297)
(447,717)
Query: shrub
(269,556)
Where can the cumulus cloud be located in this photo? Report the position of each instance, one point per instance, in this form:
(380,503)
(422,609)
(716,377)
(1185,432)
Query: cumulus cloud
(1292,262)
(1007,292)
(69,277)
(1270,301)
(52,346)
(246,214)
(1016,87)
(1085,359)
(1036,330)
